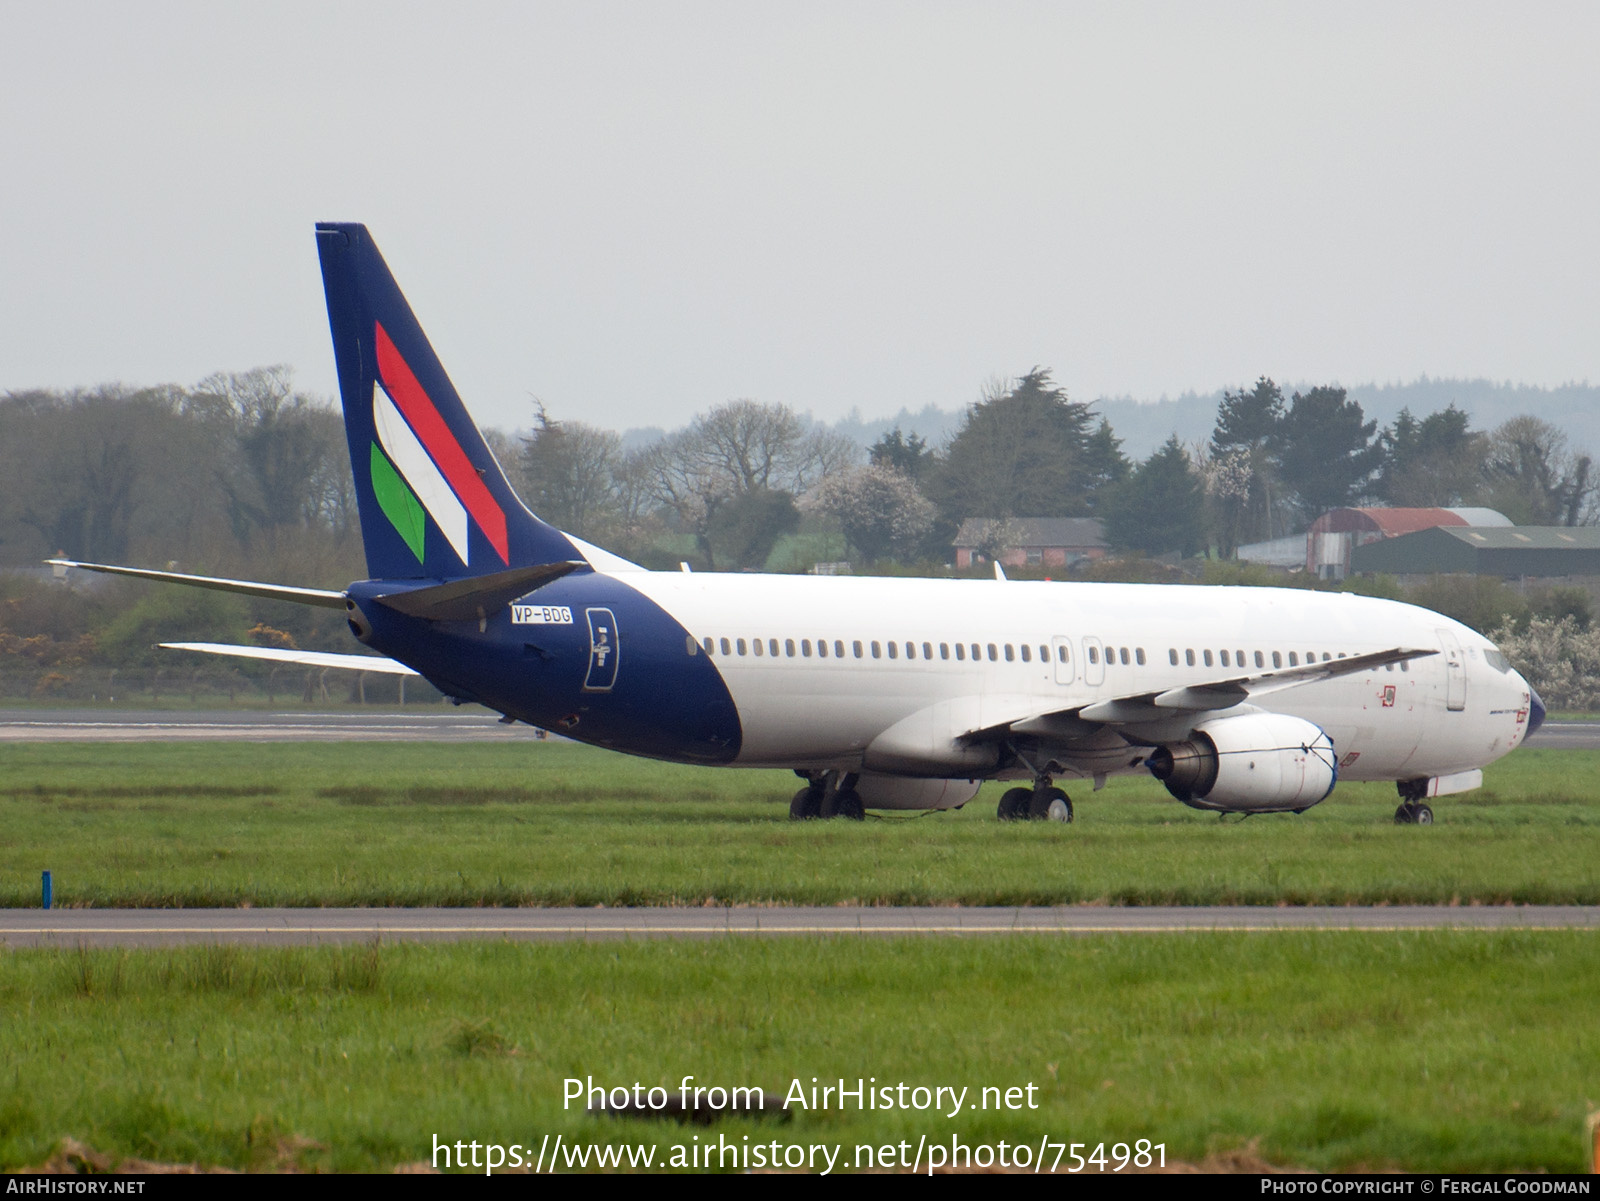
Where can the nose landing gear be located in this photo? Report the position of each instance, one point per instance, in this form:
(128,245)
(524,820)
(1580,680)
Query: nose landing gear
(1413,811)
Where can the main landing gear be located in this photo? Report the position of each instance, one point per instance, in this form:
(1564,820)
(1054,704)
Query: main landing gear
(829,794)
(1043,802)
(1412,811)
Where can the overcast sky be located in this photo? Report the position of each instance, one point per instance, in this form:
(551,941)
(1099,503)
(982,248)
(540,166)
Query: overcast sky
(635,211)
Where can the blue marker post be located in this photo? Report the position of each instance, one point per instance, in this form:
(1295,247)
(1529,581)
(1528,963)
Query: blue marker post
(46,883)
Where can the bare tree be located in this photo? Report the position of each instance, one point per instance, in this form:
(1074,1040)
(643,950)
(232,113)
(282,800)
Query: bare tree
(1533,478)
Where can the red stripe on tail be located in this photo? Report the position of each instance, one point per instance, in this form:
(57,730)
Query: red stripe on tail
(435,435)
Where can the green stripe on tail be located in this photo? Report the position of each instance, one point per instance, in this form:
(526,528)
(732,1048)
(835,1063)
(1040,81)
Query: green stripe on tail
(399,505)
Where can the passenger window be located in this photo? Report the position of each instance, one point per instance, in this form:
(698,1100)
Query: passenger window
(726,649)
(1294,659)
(1388,667)
(894,650)
(1064,653)
(977,652)
(1122,654)
(838,649)
(755,645)
(1260,660)
(709,646)
(1011,656)
(1277,659)
(1094,654)
(856,646)
(1208,658)
(1188,657)
(772,647)
(1027,654)
(1341,654)
(1139,656)
(1224,655)
(911,650)
(1405,665)
(1044,653)
(741,645)
(877,651)
(788,647)
(927,651)
(822,648)
(994,655)
(693,646)
(944,650)
(1326,656)
(961,652)
(1172,655)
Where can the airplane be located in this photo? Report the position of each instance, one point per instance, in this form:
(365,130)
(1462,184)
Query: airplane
(891,694)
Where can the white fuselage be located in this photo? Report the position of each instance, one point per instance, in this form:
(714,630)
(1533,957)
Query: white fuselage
(1027,648)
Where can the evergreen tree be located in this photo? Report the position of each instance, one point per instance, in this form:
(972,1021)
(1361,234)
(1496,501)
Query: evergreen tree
(1019,453)
(1432,462)
(907,454)
(1104,464)
(1246,433)
(1159,508)
(1326,452)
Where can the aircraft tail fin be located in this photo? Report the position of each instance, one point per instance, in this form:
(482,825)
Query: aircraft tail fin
(434,503)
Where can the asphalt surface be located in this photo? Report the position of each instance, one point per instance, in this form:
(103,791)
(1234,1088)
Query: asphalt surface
(431,723)
(279,927)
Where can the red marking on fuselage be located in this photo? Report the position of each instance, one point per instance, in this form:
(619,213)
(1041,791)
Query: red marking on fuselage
(431,430)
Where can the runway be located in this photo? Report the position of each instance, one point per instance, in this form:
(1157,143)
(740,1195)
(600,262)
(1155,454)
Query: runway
(284,927)
(433,723)
(427,723)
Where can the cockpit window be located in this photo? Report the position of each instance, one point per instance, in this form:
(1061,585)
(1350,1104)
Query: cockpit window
(1497,660)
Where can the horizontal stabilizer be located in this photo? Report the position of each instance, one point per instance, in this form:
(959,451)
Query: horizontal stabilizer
(379,663)
(475,597)
(301,596)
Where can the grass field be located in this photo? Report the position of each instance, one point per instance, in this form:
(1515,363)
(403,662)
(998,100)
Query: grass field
(560,824)
(1458,1051)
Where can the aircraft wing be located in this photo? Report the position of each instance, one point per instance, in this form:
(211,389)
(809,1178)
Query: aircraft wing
(378,663)
(1161,705)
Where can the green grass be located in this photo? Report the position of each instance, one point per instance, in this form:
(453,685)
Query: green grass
(559,824)
(1430,1051)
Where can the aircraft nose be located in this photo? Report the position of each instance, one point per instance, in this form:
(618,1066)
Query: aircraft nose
(1535,712)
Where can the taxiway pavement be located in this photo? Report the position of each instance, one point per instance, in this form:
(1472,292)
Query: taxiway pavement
(278,927)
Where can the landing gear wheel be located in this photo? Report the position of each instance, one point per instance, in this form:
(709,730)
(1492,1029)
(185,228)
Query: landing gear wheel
(1014,805)
(845,803)
(807,804)
(1413,813)
(1049,804)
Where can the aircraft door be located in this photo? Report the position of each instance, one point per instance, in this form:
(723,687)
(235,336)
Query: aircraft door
(1455,672)
(603,651)
(1061,652)
(1094,662)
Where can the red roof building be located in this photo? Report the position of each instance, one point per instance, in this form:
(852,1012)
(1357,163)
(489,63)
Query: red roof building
(1336,533)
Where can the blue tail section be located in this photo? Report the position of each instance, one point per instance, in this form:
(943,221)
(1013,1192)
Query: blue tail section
(434,503)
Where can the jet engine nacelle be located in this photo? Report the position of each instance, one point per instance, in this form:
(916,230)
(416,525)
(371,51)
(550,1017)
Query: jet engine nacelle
(1253,763)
